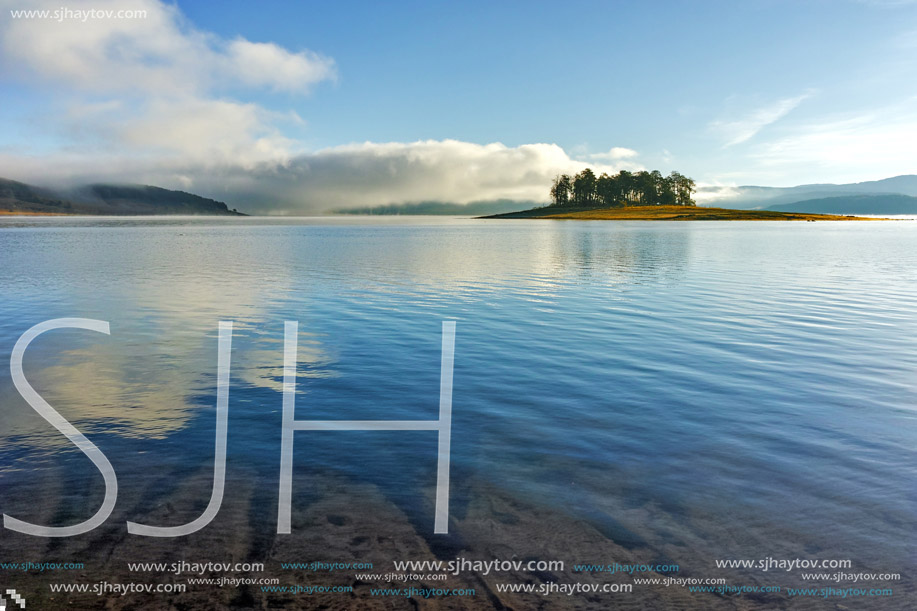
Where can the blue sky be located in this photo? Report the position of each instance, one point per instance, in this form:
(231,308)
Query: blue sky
(730,93)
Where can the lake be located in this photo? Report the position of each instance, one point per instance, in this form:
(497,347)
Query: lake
(636,392)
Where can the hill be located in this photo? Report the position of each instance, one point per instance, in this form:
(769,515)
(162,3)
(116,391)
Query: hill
(892,203)
(18,197)
(762,197)
(105,199)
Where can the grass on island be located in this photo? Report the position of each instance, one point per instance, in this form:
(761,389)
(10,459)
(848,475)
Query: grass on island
(28,213)
(673,213)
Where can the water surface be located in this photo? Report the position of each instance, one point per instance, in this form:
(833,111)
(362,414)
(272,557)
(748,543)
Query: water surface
(691,391)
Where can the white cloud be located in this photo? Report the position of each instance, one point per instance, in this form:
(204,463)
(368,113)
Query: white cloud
(876,144)
(156,88)
(346,176)
(160,54)
(737,130)
(154,101)
(616,153)
(218,131)
(709,194)
(266,64)
(431,170)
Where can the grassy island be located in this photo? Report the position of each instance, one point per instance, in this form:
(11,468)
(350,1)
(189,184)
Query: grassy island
(644,196)
(670,213)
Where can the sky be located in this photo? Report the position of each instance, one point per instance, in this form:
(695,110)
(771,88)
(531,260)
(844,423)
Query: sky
(302,107)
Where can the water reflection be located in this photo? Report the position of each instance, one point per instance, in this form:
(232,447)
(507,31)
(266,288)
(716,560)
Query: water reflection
(606,373)
(164,284)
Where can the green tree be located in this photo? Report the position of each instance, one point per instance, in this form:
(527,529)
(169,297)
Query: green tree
(667,191)
(625,183)
(584,188)
(561,190)
(644,188)
(625,188)
(608,191)
(684,187)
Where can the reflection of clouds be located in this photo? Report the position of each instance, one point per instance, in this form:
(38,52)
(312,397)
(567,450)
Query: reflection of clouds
(96,387)
(118,385)
(163,293)
(164,286)
(145,390)
(113,385)
(262,367)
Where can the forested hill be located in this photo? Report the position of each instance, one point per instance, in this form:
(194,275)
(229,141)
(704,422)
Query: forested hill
(105,199)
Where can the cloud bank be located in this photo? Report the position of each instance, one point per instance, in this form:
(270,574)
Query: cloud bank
(155,100)
(355,175)
(408,172)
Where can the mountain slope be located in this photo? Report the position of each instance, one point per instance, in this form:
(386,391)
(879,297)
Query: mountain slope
(20,197)
(102,199)
(892,203)
(760,197)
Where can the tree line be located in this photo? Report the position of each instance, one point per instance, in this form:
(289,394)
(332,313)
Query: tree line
(643,188)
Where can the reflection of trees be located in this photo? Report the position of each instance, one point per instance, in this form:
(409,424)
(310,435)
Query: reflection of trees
(603,249)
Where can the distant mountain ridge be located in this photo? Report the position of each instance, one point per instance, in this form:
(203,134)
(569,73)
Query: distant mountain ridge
(748,197)
(876,197)
(895,195)
(440,208)
(106,199)
(890,203)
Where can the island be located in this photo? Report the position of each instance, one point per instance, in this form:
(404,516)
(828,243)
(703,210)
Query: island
(673,213)
(644,196)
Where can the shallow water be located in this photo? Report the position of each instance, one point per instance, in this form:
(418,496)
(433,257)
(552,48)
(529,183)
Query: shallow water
(692,391)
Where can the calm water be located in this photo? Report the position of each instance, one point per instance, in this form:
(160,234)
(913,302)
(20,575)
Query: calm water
(697,390)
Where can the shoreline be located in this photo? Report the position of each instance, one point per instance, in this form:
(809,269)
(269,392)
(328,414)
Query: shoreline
(6,213)
(674,213)
(631,213)
(17,213)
